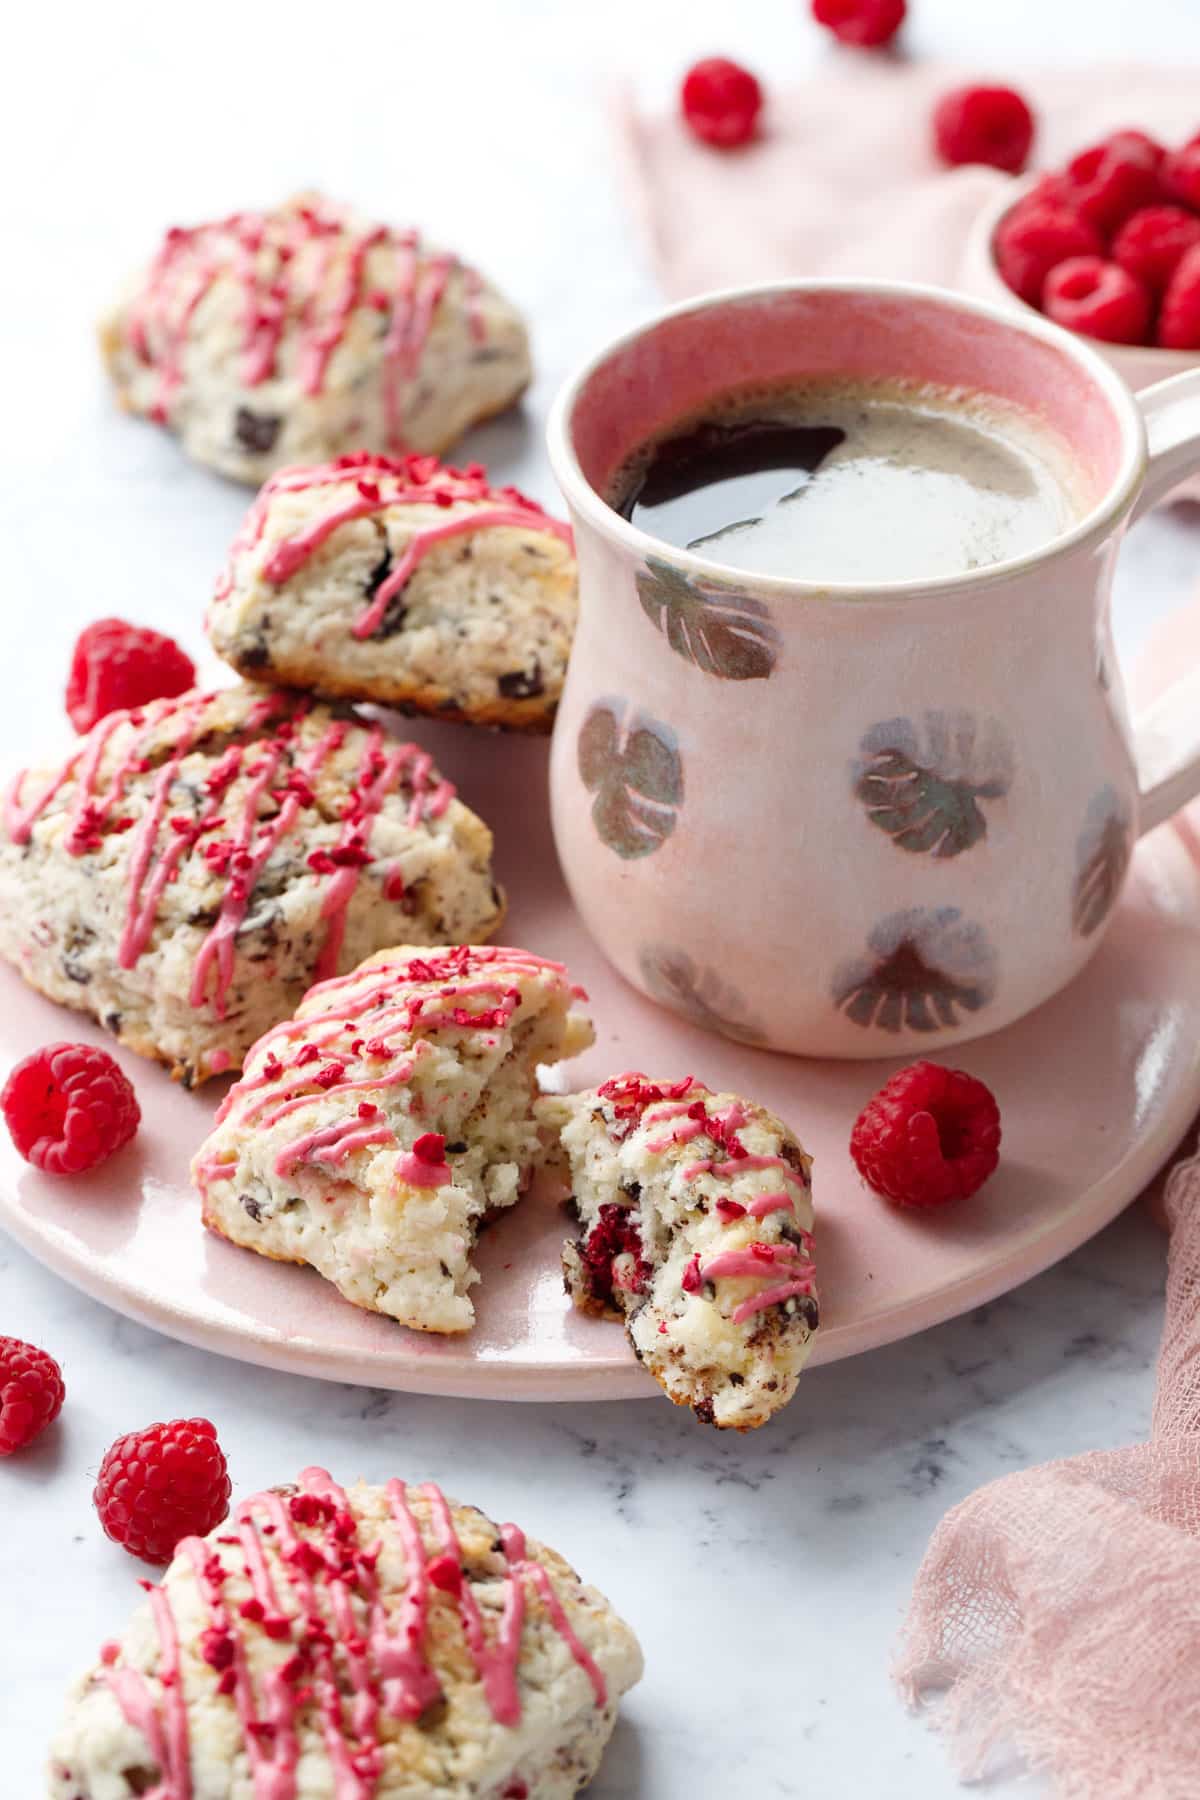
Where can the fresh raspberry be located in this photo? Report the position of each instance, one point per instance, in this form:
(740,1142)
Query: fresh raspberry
(116,664)
(990,125)
(162,1484)
(1179,319)
(1100,299)
(863,24)
(1111,180)
(929,1136)
(1143,142)
(1151,243)
(1036,236)
(31,1393)
(721,102)
(1049,189)
(1180,175)
(69,1107)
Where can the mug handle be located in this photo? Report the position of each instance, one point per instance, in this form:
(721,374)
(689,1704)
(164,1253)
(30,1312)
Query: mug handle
(1166,736)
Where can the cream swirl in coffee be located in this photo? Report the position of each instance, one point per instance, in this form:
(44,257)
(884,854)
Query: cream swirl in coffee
(853,483)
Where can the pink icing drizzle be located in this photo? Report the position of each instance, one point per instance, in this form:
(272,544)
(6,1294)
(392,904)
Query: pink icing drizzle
(156,856)
(248,861)
(349,1049)
(419,1174)
(325,338)
(513,1540)
(635,1101)
(285,261)
(769,1203)
(375,484)
(144,871)
(385,1664)
(772,1296)
(166,1732)
(335,1143)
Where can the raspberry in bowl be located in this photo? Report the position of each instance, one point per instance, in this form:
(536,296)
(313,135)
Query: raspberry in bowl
(1103,247)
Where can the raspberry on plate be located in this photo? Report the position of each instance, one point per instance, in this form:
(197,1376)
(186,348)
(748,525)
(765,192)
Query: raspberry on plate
(721,102)
(116,664)
(930,1135)
(1179,320)
(1153,241)
(1099,299)
(31,1393)
(162,1484)
(69,1107)
(863,24)
(990,125)
(1114,179)
(1034,238)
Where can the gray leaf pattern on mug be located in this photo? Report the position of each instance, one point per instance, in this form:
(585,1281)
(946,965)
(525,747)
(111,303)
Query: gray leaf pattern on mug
(923,786)
(720,630)
(698,994)
(923,968)
(631,763)
(1102,853)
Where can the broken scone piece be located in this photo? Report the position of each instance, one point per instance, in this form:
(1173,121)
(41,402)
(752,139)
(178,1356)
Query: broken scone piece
(370,1135)
(697,1222)
(405,583)
(304,331)
(194,865)
(379,1643)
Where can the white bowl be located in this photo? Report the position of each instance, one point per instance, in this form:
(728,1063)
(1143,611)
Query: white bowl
(1141,365)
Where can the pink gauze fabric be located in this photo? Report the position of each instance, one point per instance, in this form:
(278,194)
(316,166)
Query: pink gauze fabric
(843,179)
(1058,1610)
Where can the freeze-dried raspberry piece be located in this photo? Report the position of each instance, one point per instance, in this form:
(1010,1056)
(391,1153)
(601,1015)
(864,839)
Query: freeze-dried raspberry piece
(1033,238)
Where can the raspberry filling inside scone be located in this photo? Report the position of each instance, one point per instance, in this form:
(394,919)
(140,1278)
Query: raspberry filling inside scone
(696,1228)
(300,333)
(371,1135)
(403,582)
(376,1643)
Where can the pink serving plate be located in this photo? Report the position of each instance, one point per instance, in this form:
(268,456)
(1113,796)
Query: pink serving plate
(1096,1089)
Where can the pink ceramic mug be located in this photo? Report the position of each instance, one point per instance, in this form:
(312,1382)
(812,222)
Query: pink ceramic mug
(858,820)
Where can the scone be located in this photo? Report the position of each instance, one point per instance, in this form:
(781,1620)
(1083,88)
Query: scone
(196,864)
(405,583)
(378,1644)
(293,335)
(697,1222)
(371,1135)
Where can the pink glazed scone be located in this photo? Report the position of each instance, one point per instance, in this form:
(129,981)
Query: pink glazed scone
(406,583)
(303,332)
(381,1643)
(194,865)
(372,1134)
(697,1220)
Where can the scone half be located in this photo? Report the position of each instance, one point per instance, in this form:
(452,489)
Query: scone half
(406,583)
(696,1229)
(372,1135)
(378,1643)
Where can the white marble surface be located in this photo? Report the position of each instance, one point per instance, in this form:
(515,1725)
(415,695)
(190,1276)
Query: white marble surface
(767,1578)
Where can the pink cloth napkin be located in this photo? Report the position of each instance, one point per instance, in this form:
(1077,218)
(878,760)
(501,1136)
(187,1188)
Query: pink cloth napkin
(1057,1612)
(843,181)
